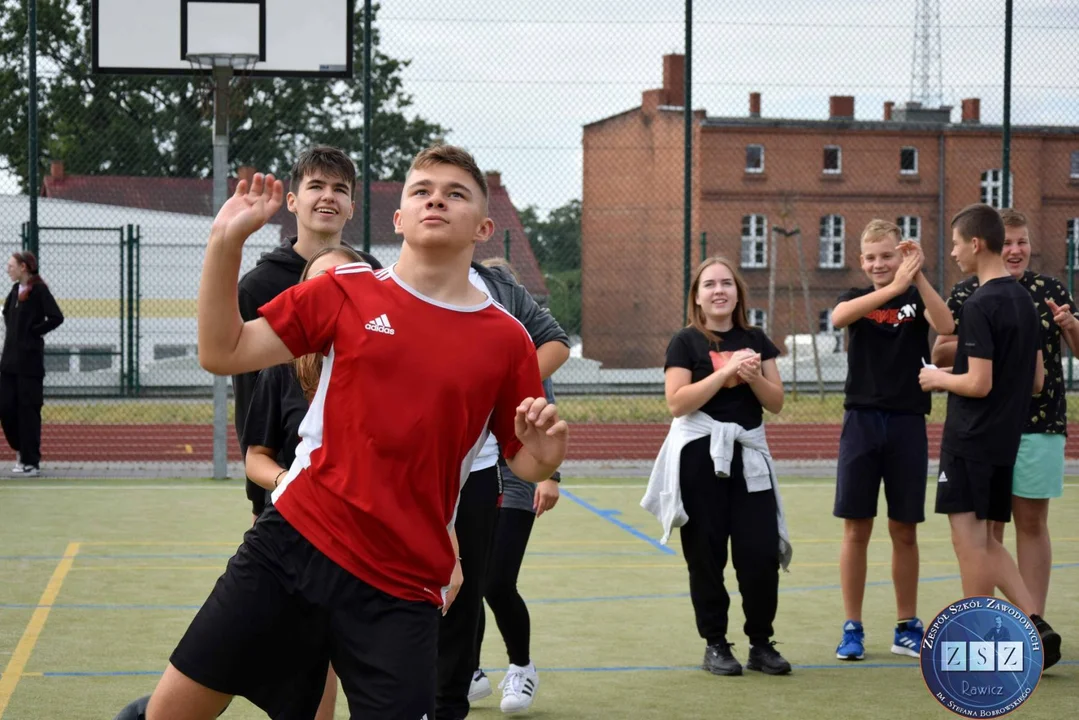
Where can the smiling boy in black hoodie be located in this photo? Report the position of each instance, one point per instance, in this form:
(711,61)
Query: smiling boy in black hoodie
(321,191)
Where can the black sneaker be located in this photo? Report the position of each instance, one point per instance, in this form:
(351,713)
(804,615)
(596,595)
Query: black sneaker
(1050,642)
(718,660)
(767,660)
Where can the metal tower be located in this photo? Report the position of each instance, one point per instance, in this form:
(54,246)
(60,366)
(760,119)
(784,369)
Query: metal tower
(926,76)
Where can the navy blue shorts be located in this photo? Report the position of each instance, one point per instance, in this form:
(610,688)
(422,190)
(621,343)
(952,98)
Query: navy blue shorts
(876,445)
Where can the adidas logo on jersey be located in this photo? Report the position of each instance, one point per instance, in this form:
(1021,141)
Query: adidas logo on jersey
(381,324)
(943,478)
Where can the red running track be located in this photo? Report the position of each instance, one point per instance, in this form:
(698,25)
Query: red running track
(627,441)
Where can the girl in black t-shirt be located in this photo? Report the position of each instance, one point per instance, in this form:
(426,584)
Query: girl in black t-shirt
(278,405)
(725,368)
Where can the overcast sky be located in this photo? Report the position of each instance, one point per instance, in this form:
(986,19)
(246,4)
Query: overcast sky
(516,83)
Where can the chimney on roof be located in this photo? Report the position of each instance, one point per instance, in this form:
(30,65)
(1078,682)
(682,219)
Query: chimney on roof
(494,179)
(841,107)
(674,79)
(245,172)
(888,108)
(56,170)
(972,110)
(755,104)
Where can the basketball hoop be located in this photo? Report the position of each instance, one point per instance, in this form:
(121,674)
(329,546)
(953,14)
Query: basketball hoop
(236,62)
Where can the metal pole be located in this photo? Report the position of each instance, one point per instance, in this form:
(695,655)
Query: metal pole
(941,198)
(31,160)
(1006,164)
(704,246)
(222,75)
(687,179)
(367,113)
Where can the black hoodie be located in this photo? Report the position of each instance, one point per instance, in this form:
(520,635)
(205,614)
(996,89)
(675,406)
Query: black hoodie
(275,272)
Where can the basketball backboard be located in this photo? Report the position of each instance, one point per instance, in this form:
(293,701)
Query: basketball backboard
(293,38)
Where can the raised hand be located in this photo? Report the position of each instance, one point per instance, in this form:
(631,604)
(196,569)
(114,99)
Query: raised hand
(908,271)
(249,208)
(540,431)
(1062,315)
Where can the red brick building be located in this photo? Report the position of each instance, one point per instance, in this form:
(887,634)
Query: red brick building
(827,178)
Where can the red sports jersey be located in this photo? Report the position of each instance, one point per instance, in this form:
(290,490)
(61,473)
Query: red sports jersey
(408,384)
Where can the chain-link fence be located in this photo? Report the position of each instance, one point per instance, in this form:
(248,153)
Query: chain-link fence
(809,120)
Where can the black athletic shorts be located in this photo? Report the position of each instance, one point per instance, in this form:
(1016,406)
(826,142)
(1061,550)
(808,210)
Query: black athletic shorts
(876,445)
(966,485)
(283,611)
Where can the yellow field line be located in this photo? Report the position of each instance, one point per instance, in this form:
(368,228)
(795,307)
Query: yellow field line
(14,670)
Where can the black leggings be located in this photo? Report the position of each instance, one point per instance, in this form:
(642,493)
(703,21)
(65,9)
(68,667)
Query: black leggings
(506,603)
(722,509)
(20,415)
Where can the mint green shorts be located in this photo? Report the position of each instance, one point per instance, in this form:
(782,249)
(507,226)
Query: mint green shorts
(1039,467)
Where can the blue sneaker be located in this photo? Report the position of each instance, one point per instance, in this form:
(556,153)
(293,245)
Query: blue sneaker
(852,647)
(908,641)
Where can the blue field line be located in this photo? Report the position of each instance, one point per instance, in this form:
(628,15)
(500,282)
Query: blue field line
(531,601)
(609,516)
(911,667)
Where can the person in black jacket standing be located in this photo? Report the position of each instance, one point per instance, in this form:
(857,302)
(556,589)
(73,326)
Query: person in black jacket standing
(30,312)
(321,190)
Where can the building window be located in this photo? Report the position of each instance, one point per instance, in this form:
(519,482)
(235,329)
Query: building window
(833,159)
(759,318)
(58,360)
(1075,165)
(165,352)
(754,241)
(1073,238)
(96,357)
(754,158)
(993,188)
(908,161)
(831,241)
(910,226)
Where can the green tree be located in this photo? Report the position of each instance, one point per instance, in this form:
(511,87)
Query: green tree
(160,126)
(556,243)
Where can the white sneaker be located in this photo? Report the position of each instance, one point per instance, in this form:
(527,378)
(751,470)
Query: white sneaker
(29,471)
(18,467)
(519,688)
(480,687)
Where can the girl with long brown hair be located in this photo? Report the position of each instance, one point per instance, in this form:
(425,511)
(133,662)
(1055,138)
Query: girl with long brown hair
(714,477)
(30,312)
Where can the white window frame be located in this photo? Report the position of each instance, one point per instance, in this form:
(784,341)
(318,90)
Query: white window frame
(905,222)
(832,243)
(1073,170)
(758,317)
(992,188)
(913,150)
(754,241)
(838,160)
(756,170)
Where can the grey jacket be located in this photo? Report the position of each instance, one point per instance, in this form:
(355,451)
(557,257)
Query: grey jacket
(543,328)
(538,321)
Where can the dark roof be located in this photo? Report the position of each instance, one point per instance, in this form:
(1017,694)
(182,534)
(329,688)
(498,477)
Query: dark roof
(888,125)
(192,196)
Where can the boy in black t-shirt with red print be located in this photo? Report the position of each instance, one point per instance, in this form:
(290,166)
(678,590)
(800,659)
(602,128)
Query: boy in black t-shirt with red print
(884,425)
